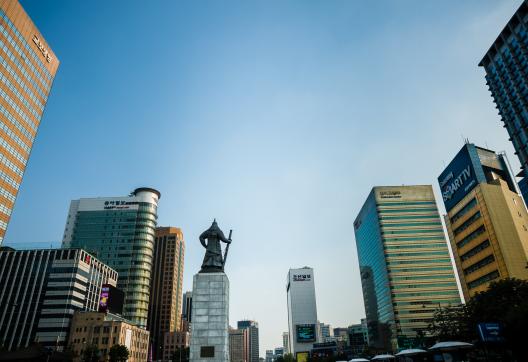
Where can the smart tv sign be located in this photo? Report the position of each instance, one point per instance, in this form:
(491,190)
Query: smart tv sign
(458,178)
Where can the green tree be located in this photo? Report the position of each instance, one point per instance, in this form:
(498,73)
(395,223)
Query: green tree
(288,357)
(452,324)
(505,302)
(181,354)
(118,353)
(90,353)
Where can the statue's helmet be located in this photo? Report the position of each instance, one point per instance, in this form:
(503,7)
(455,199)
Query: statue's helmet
(214,226)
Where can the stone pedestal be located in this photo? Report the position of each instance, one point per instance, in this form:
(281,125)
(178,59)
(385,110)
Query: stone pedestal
(210,318)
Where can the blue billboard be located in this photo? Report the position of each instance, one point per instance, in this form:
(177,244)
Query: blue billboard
(459,177)
(305,333)
(490,332)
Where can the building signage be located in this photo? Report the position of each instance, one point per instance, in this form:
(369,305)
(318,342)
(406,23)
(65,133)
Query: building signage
(451,184)
(302,277)
(459,178)
(490,332)
(390,194)
(42,48)
(119,204)
(305,333)
(103,300)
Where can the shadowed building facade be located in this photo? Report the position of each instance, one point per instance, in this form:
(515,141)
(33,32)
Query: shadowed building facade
(41,289)
(506,66)
(406,269)
(165,307)
(486,219)
(120,232)
(27,69)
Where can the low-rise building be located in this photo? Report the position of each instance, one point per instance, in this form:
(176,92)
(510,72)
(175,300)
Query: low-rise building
(104,331)
(174,342)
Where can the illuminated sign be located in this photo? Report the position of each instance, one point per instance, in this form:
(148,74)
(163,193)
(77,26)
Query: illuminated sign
(302,356)
(111,299)
(103,300)
(302,277)
(42,48)
(305,333)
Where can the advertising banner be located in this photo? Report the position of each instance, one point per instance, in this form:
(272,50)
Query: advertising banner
(458,179)
(305,333)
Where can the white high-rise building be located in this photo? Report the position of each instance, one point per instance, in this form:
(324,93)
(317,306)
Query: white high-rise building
(302,310)
(286,342)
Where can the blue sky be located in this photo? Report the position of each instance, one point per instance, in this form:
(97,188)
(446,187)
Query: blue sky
(275,117)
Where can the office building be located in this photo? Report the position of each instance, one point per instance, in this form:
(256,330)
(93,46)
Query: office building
(358,338)
(27,69)
(325,331)
(186,311)
(286,342)
(486,219)
(40,290)
(523,188)
(119,231)
(238,345)
(302,310)
(269,355)
(165,307)
(505,64)
(406,270)
(104,331)
(253,339)
(174,344)
(278,352)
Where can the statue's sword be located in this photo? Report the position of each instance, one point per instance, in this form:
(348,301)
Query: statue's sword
(227,247)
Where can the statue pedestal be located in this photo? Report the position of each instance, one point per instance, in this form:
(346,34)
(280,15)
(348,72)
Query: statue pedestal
(210,318)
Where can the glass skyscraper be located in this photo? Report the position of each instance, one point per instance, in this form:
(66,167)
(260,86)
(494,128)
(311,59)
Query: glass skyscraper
(506,66)
(27,69)
(120,232)
(406,269)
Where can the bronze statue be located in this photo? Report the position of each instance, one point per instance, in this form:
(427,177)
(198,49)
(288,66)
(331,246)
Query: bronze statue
(213,261)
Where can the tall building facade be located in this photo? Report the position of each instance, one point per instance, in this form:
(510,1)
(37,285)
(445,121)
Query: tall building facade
(324,332)
(119,231)
(41,289)
(506,76)
(486,219)
(406,269)
(358,338)
(27,69)
(186,311)
(286,342)
(302,310)
(165,307)
(105,331)
(238,345)
(174,344)
(253,339)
